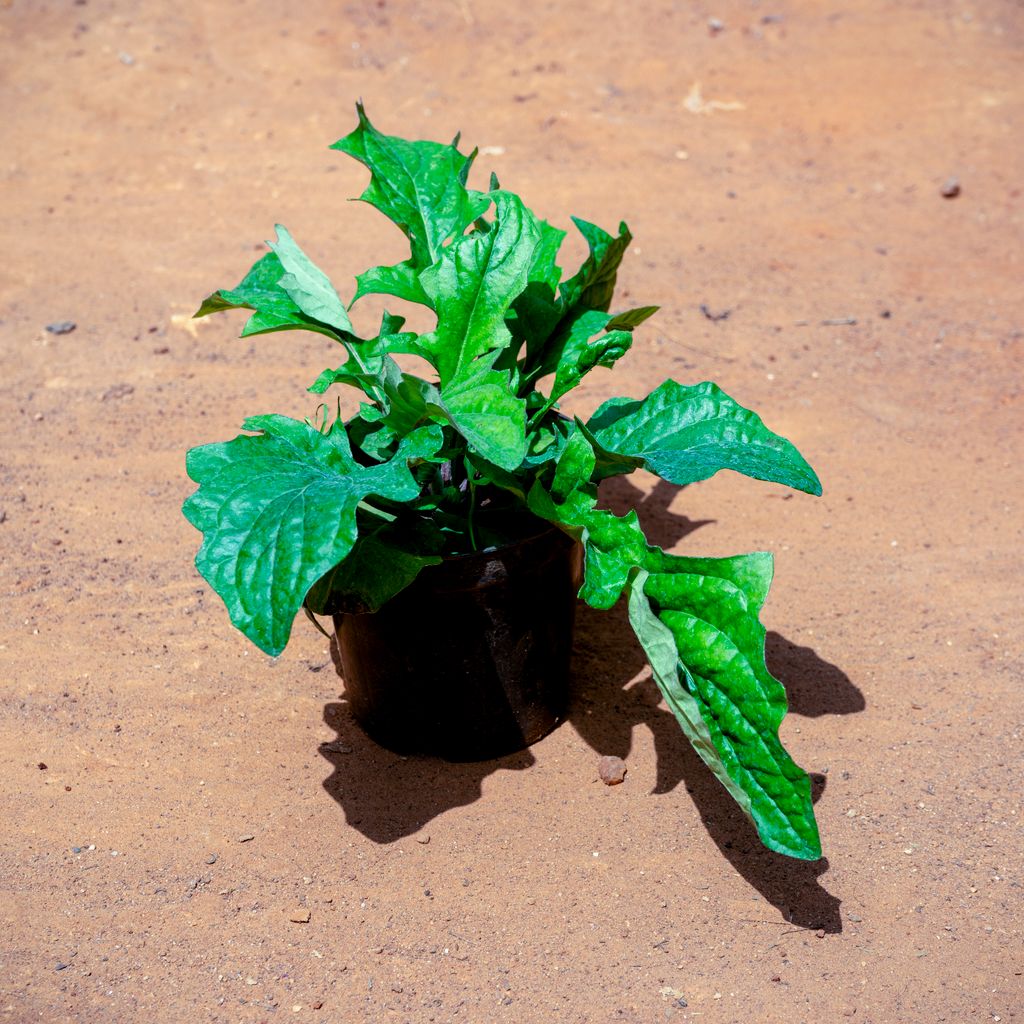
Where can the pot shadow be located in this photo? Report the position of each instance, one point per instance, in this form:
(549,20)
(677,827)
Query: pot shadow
(387,796)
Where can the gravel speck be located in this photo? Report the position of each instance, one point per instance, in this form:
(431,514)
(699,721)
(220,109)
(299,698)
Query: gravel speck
(61,327)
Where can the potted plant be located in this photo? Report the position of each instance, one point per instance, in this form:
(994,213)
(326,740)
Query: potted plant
(442,523)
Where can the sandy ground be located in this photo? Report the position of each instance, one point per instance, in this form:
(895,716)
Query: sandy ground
(148,149)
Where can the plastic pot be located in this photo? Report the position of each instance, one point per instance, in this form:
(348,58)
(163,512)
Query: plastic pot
(471,661)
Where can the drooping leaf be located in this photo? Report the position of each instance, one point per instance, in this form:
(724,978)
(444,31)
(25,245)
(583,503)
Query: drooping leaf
(420,186)
(697,620)
(473,284)
(685,434)
(308,286)
(373,572)
(261,291)
(719,671)
(278,509)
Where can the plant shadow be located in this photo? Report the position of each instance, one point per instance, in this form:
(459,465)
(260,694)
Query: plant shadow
(387,796)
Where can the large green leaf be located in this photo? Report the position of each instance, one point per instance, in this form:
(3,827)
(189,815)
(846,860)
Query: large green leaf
(373,572)
(685,434)
(278,509)
(261,291)
(473,285)
(420,186)
(718,670)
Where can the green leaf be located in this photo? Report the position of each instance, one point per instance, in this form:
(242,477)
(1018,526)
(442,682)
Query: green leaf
(308,286)
(592,286)
(261,291)
(685,434)
(402,280)
(631,318)
(717,685)
(372,573)
(575,351)
(484,410)
(473,285)
(421,186)
(278,509)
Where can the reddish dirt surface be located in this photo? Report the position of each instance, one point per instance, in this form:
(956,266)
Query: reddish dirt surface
(148,150)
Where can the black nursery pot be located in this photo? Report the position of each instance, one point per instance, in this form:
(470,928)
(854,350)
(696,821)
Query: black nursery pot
(471,661)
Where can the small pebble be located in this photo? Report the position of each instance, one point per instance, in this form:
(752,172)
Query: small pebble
(76,849)
(246,838)
(61,966)
(212,859)
(611,770)
(716,25)
(856,918)
(42,766)
(820,933)
(117,391)
(335,747)
(61,327)
(126,58)
(423,840)
(299,916)
(950,189)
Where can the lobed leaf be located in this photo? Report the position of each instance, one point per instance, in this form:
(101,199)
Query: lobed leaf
(278,509)
(420,186)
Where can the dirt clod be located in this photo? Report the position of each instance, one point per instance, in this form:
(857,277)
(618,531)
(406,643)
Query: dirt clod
(300,916)
(611,770)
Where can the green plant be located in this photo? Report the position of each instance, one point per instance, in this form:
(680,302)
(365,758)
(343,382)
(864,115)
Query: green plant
(333,515)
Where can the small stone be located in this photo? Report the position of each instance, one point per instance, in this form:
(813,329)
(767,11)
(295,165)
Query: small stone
(126,58)
(212,859)
(716,25)
(335,747)
(950,188)
(42,766)
(76,849)
(611,770)
(247,838)
(116,392)
(61,327)
(61,966)
(299,916)
(856,918)
(316,1005)
(423,840)
(820,933)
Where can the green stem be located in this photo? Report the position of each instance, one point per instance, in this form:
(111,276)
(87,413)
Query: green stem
(376,512)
